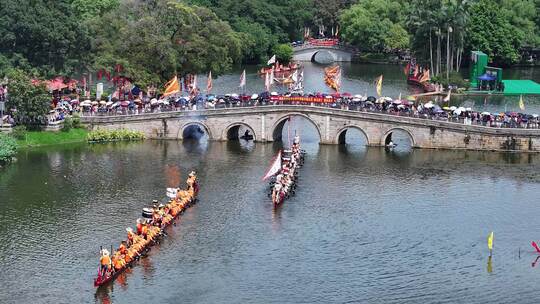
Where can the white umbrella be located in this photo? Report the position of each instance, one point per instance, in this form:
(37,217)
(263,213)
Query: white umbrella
(95,102)
(453,108)
(356,99)
(109,103)
(358,96)
(254,96)
(468,109)
(116,104)
(485,113)
(328,96)
(166,102)
(428,105)
(535,115)
(398,102)
(274,94)
(235,95)
(401,106)
(457,111)
(153,101)
(103,102)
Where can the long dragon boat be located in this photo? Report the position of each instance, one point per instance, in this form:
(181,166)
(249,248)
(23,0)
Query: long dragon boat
(332,77)
(285,169)
(156,219)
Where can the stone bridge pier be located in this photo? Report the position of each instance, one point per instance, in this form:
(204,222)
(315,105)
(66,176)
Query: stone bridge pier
(266,124)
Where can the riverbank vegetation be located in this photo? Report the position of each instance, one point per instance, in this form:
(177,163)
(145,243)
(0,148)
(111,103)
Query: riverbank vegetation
(8,148)
(114,135)
(42,138)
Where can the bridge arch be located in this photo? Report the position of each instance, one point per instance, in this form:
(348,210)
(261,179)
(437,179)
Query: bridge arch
(277,128)
(231,131)
(388,135)
(342,133)
(186,126)
(329,52)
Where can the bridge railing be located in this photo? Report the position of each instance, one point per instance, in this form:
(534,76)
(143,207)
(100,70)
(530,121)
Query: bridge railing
(339,46)
(473,121)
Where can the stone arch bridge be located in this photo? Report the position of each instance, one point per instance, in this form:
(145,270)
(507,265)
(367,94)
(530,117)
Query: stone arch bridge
(308,52)
(266,125)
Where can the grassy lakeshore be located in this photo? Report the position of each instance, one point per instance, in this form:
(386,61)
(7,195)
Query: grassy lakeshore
(41,138)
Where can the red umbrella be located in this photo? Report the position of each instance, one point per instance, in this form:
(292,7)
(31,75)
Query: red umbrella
(124,103)
(336,95)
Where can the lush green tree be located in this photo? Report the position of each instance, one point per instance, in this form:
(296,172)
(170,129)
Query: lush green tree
(396,37)
(257,40)
(490,31)
(283,52)
(28,103)
(88,9)
(266,23)
(374,25)
(153,40)
(42,35)
(327,12)
(522,15)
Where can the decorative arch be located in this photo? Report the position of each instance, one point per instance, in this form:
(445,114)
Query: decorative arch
(180,134)
(277,127)
(409,133)
(225,133)
(340,135)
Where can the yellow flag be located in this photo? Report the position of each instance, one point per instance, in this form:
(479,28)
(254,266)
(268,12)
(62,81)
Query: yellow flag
(172,87)
(490,241)
(379,85)
(521,103)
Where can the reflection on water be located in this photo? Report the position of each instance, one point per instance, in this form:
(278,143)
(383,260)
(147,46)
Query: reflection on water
(422,213)
(489,265)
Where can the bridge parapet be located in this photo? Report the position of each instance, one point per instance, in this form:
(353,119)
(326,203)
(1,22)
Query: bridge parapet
(266,123)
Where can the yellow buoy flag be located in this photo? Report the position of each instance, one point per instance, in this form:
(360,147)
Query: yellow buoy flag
(172,87)
(490,241)
(521,103)
(379,85)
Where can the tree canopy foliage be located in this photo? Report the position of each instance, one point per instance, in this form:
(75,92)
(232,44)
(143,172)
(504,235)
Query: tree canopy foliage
(441,31)
(155,39)
(43,36)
